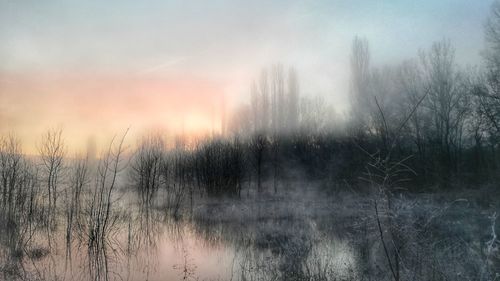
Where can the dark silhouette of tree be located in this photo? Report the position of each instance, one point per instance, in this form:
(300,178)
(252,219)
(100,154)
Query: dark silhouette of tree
(257,147)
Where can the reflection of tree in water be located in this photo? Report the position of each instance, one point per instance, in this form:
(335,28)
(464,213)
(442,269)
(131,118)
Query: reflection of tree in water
(289,242)
(21,210)
(187,270)
(102,219)
(266,247)
(144,230)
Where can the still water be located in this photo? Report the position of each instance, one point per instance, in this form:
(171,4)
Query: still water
(296,236)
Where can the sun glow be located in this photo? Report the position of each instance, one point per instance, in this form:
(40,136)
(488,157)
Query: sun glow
(99,106)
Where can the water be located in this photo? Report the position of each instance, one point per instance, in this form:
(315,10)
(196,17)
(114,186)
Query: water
(293,235)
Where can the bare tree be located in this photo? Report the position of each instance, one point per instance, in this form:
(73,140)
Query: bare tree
(52,150)
(101,219)
(243,121)
(21,206)
(278,97)
(276,160)
(257,147)
(79,180)
(146,166)
(292,110)
(385,95)
(314,115)
(447,102)
(264,104)
(360,77)
(10,164)
(255,103)
(412,88)
(219,167)
(489,96)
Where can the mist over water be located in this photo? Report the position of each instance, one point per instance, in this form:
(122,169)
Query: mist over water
(279,140)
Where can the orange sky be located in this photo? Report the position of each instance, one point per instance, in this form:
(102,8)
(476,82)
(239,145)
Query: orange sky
(97,106)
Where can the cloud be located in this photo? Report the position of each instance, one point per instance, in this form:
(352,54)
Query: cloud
(168,65)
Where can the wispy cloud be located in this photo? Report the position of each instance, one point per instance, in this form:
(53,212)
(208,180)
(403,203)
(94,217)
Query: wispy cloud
(165,66)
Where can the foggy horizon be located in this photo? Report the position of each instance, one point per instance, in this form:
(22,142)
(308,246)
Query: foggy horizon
(67,63)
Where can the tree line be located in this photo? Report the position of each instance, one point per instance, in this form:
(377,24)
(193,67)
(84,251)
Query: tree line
(453,127)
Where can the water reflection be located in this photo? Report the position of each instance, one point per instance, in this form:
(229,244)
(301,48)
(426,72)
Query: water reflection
(144,243)
(219,239)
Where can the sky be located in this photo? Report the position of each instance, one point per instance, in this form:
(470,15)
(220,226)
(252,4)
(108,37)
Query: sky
(95,68)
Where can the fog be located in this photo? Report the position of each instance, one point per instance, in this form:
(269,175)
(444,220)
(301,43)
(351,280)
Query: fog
(57,56)
(238,140)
